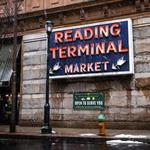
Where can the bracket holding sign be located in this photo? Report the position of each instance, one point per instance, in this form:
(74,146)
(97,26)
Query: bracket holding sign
(88,100)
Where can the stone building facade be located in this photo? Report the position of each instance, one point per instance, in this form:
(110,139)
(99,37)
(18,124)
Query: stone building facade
(127,97)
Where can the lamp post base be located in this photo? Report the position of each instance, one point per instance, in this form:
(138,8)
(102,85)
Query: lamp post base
(46,130)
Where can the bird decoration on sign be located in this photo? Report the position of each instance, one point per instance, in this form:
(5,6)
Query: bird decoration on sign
(121,61)
(55,68)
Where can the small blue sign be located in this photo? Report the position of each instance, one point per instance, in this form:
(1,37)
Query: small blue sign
(97,49)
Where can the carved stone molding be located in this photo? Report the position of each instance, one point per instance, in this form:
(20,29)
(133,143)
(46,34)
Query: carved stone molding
(142,5)
(82,14)
(61,18)
(77,13)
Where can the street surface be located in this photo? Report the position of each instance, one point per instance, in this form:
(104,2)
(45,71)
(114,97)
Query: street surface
(30,144)
(30,138)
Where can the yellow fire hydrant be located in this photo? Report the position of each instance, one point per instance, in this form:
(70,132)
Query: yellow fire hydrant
(101,118)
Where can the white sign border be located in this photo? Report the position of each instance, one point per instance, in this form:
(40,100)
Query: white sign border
(131,53)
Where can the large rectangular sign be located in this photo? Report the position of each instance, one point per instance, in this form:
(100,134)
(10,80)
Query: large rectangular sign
(97,49)
(88,100)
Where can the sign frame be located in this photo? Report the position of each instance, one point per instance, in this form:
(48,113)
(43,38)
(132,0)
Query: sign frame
(130,47)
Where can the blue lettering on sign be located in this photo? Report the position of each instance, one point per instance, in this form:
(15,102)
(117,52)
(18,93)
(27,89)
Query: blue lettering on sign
(91,50)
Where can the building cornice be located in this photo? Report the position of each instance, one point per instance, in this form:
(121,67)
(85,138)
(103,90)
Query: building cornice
(82,13)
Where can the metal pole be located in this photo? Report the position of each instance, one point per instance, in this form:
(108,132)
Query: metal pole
(46,127)
(14,96)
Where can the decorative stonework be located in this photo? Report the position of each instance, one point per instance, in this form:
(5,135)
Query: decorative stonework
(142,5)
(76,13)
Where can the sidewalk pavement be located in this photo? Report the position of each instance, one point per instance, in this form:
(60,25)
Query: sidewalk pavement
(75,133)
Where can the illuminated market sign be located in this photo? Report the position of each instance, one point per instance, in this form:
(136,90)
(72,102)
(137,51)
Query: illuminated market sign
(97,49)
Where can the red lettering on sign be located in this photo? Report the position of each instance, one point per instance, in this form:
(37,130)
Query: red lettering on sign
(82,67)
(96,32)
(62,52)
(104,31)
(100,48)
(83,49)
(115,29)
(77,35)
(105,65)
(53,50)
(58,37)
(97,66)
(72,51)
(111,47)
(90,67)
(120,47)
(68,34)
(88,33)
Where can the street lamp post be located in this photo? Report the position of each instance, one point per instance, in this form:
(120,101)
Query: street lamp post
(46,127)
(14,94)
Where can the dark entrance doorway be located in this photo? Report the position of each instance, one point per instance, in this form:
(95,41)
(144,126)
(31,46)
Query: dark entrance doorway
(5,108)
(6,51)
